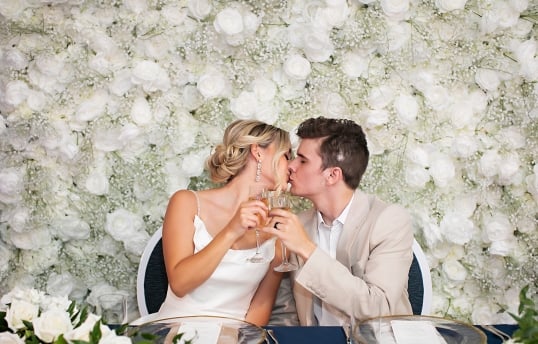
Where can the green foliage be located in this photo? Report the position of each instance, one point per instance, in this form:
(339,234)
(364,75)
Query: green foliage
(527,333)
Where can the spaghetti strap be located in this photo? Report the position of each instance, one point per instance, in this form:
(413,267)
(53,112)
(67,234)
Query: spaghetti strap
(197,202)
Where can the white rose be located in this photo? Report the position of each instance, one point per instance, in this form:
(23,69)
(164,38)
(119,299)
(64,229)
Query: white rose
(354,65)
(93,107)
(478,100)
(14,59)
(141,111)
(297,67)
(406,107)
(264,89)
(507,172)
(50,73)
(12,9)
(212,84)
(464,146)
(36,100)
(175,14)
(419,155)
(416,176)
(314,40)
(10,338)
(136,242)
(487,79)
(199,9)
(482,311)
(395,9)
(379,97)
(83,331)
(71,227)
(375,118)
(51,324)
(442,169)
(245,105)
(136,6)
(16,92)
(191,97)
(17,218)
(333,15)
(151,76)
(454,270)
(398,35)
(512,137)
(499,15)
(193,163)
(450,5)
(229,22)
(112,338)
(97,182)
(121,83)
(45,253)
(503,247)
(11,185)
(121,224)
(175,178)
(317,45)
(62,284)
(489,163)
(267,113)
(456,228)
(437,97)
(498,227)
(21,310)
(332,105)
(107,140)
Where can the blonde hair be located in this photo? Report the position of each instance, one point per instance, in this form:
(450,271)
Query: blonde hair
(231,156)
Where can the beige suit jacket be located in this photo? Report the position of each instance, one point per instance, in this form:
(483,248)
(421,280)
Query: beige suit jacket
(372,263)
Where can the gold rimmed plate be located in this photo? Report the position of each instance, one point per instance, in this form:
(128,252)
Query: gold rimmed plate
(199,329)
(380,330)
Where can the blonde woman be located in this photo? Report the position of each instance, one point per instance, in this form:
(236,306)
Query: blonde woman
(208,236)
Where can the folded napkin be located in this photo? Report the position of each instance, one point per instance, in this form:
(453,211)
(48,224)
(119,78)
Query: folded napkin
(415,332)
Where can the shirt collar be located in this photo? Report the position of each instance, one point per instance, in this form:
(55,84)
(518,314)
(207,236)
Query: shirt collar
(343,215)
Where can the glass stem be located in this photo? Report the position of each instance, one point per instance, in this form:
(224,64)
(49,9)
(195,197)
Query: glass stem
(284,254)
(257,240)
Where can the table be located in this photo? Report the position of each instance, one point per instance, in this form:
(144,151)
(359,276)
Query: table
(336,335)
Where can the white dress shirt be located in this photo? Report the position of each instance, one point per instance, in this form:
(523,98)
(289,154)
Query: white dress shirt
(327,240)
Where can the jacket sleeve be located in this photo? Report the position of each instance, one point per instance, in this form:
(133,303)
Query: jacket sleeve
(369,287)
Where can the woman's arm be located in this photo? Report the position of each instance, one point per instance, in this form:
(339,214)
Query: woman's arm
(262,303)
(186,270)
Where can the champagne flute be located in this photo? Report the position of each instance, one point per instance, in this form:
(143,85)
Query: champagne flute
(258,192)
(282,200)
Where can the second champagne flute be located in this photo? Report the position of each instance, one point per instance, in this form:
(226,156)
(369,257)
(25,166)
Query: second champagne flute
(282,200)
(258,192)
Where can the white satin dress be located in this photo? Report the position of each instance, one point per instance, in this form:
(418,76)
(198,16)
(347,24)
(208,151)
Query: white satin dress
(228,291)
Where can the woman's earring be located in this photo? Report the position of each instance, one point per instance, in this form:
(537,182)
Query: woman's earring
(258,171)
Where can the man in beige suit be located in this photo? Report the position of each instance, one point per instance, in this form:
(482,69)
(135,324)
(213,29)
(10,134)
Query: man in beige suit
(354,250)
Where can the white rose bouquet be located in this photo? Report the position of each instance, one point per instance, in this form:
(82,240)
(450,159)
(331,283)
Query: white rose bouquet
(31,316)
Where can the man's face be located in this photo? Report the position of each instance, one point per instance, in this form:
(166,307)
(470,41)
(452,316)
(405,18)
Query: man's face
(306,177)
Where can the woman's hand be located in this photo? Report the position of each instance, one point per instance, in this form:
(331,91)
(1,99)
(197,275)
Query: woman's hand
(250,214)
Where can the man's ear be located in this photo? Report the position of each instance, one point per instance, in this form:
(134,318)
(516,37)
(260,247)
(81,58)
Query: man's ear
(334,175)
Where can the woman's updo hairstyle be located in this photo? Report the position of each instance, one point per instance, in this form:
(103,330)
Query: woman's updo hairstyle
(231,156)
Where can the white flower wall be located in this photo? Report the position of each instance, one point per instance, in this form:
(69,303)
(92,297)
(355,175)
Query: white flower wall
(108,106)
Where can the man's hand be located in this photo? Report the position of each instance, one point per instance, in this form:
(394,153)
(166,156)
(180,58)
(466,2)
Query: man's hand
(286,226)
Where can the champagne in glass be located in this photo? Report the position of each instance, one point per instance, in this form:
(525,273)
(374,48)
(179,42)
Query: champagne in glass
(258,192)
(282,200)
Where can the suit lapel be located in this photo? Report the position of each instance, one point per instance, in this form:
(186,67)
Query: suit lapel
(358,213)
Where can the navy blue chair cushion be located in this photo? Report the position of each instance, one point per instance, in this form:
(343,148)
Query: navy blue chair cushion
(415,287)
(156,282)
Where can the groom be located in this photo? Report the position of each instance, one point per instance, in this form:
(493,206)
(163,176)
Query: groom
(354,250)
